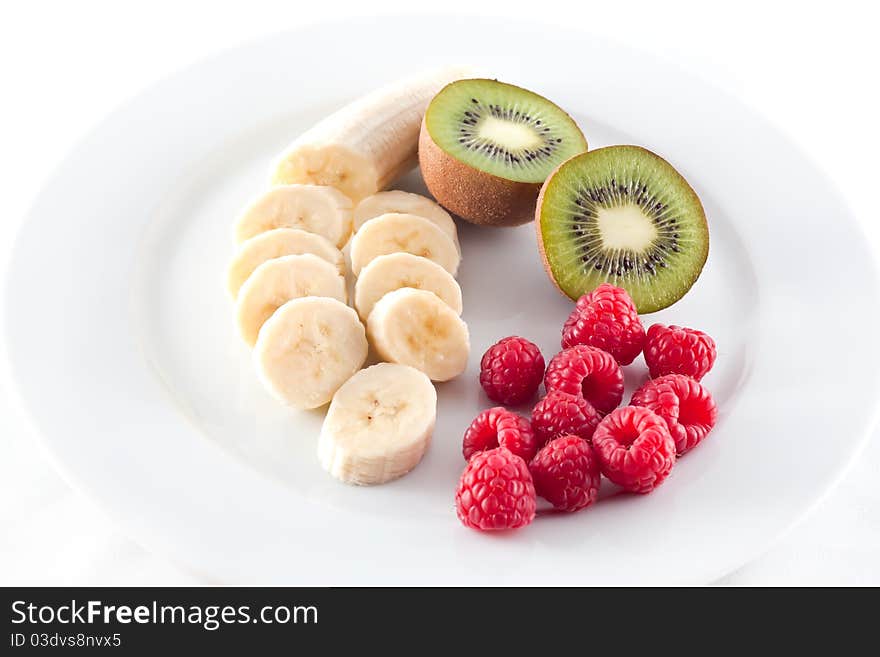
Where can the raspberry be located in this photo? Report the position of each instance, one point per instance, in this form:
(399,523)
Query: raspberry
(566,473)
(606,318)
(634,448)
(685,404)
(496,427)
(677,350)
(511,370)
(561,414)
(587,371)
(495,492)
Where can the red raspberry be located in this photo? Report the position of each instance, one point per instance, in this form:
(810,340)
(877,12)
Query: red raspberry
(634,448)
(496,427)
(511,370)
(566,473)
(587,371)
(606,318)
(677,350)
(685,404)
(496,491)
(561,414)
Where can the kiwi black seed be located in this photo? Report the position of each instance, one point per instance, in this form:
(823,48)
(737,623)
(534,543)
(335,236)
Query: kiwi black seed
(622,215)
(486,147)
(534,156)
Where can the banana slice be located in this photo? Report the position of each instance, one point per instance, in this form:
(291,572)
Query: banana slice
(322,210)
(405,203)
(390,272)
(274,244)
(308,348)
(395,232)
(379,425)
(415,328)
(277,281)
(367,144)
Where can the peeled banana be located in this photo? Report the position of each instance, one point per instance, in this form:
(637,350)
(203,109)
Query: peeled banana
(364,146)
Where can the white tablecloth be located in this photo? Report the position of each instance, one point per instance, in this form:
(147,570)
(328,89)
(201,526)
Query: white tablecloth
(807,71)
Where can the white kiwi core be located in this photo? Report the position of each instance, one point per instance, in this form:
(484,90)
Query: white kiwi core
(625,227)
(514,136)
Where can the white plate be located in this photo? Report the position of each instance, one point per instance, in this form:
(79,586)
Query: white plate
(121,339)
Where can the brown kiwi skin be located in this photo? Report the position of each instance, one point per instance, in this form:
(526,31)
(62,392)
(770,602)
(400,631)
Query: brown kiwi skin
(476,196)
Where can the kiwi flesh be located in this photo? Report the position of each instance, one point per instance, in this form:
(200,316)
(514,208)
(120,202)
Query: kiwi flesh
(625,216)
(486,147)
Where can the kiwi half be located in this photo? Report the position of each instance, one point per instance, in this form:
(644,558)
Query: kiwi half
(622,215)
(486,147)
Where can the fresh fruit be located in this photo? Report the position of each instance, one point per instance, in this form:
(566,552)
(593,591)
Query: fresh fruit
(366,145)
(414,327)
(561,414)
(308,348)
(486,147)
(685,405)
(399,202)
(606,318)
(496,492)
(395,233)
(511,370)
(274,244)
(677,350)
(634,448)
(379,425)
(566,473)
(496,427)
(321,210)
(589,372)
(393,271)
(276,282)
(622,215)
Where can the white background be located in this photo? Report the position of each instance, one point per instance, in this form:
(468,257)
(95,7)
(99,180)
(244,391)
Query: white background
(65,65)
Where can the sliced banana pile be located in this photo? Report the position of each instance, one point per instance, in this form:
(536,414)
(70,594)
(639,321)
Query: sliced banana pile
(406,291)
(287,280)
(288,283)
